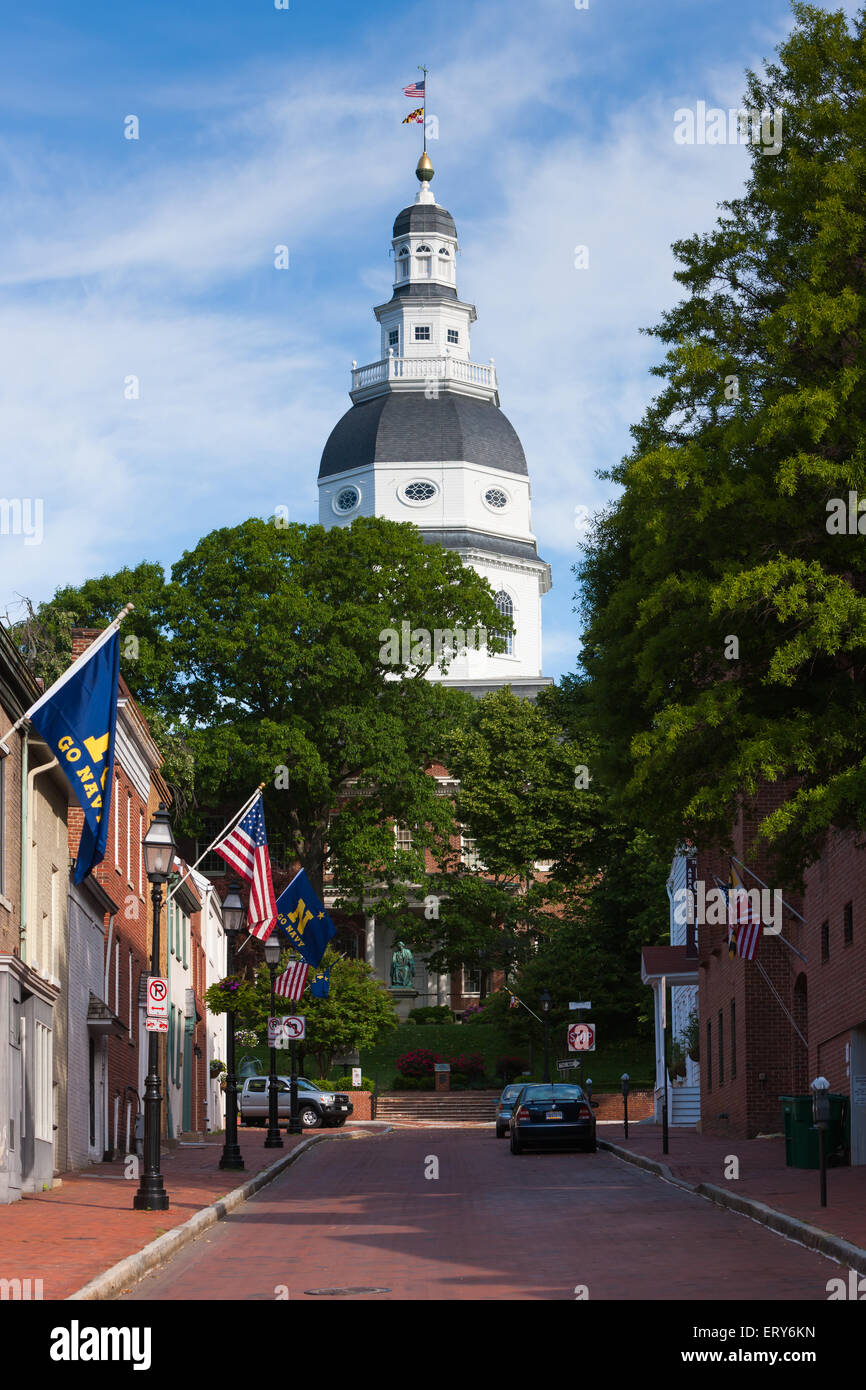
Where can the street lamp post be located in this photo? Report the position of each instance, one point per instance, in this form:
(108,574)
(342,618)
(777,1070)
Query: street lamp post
(158,850)
(233,920)
(272,958)
(625,1091)
(295,1126)
(545,1009)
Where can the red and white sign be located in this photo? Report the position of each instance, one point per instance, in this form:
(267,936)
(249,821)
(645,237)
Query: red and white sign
(581,1037)
(294,1028)
(156,1025)
(157,1000)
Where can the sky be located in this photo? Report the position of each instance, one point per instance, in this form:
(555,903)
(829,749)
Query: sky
(153,258)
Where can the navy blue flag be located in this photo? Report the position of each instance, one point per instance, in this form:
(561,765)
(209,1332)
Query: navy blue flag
(320,984)
(78,721)
(302,918)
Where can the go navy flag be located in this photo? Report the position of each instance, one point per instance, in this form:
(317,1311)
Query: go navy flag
(78,720)
(245,848)
(302,918)
(321,984)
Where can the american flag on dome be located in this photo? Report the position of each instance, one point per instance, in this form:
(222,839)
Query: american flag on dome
(290,985)
(414,90)
(245,849)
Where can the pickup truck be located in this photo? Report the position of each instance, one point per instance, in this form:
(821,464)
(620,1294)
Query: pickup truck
(316,1108)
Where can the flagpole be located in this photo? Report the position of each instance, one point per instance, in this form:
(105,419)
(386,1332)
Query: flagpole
(68,674)
(784,939)
(767,886)
(228,826)
(424,111)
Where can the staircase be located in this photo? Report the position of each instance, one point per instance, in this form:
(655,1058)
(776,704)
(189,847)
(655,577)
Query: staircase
(448,1107)
(685,1105)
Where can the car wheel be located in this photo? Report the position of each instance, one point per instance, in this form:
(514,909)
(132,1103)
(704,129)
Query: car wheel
(340,1120)
(310,1118)
(500,1132)
(516,1146)
(591,1149)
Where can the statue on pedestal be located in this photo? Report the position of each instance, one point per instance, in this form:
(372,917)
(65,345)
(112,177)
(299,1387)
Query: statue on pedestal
(402,967)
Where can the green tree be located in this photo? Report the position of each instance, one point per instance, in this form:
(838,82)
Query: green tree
(725,639)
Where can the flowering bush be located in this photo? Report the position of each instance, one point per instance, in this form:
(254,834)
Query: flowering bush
(419,1062)
(509,1067)
(472,1011)
(469,1064)
(246,1037)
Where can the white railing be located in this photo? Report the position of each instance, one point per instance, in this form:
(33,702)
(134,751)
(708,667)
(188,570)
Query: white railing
(446,368)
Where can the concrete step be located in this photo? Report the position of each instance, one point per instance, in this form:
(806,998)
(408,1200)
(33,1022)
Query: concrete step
(427,1105)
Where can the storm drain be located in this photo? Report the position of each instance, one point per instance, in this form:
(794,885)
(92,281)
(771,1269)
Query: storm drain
(360,1289)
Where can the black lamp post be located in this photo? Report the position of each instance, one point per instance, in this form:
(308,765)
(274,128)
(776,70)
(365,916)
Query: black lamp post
(272,958)
(158,848)
(625,1091)
(234,914)
(545,1009)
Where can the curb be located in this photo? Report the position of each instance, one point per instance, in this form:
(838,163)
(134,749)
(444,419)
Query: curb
(836,1247)
(133,1267)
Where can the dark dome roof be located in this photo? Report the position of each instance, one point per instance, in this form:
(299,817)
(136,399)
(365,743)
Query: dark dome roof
(406,427)
(424,218)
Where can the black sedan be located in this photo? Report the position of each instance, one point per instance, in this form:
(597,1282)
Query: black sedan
(552,1116)
(505,1107)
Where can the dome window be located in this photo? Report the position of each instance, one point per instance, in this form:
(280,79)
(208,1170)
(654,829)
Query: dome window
(496,498)
(506,607)
(422,333)
(419,491)
(424,251)
(453,335)
(443,251)
(346,500)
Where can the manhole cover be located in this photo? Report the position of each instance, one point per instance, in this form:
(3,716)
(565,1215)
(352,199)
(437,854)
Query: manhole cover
(360,1289)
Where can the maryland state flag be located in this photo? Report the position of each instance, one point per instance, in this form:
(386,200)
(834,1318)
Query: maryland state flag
(302,919)
(77,717)
(417,116)
(320,984)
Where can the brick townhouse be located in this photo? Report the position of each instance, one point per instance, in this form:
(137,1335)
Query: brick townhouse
(770,1026)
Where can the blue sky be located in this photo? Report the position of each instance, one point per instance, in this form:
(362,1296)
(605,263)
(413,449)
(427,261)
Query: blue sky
(260,126)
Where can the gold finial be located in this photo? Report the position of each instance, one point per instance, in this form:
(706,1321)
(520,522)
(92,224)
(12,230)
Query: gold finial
(424,171)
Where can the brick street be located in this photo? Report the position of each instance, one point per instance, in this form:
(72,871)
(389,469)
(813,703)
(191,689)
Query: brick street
(361,1214)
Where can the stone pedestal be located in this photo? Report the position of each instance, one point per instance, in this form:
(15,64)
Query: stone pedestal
(404,1000)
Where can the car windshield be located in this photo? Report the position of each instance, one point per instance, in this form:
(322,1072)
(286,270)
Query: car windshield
(553,1093)
(511,1091)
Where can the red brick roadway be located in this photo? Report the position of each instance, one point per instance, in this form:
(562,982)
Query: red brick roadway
(69,1235)
(354,1215)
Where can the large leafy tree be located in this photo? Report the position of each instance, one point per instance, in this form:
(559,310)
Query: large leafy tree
(725,623)
(265,653)
(524,800)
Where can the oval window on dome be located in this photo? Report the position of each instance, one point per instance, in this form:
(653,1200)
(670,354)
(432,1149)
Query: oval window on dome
(419,491)
(346,500)
(496,498)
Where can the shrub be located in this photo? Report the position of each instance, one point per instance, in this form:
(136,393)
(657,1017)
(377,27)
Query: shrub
(431,1013)
(470,1065)
(344,1083)
(419,1062)
(508,1067)
(413,1083)
(411,1020)
(459,1080)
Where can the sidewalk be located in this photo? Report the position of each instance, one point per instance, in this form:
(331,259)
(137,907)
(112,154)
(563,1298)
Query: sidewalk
(763,1176)
(69,1235)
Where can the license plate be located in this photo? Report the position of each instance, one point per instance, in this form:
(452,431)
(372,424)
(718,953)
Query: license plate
(553,1115)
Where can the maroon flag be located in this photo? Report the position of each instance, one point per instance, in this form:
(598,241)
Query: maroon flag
(245,849)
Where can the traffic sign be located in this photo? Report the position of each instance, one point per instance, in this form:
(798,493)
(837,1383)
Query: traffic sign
(275,1031)
(156,1025)
(581,1037)
(587,1004)
(570,1064)
(294,1028)
(157,1000)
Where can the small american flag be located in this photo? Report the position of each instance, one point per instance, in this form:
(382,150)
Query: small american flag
(414,90)
(245,849)
(749,925)
(290,985)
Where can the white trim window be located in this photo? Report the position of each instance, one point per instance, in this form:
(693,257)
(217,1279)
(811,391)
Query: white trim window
(43,1109)
(347,500)
(117,824)
(470,981)
(505,604)
(402,838)
(469,851)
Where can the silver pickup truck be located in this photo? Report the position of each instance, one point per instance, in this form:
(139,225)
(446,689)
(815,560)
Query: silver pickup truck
(316,1108)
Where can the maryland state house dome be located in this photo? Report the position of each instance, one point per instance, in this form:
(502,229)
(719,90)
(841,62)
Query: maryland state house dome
(425,441)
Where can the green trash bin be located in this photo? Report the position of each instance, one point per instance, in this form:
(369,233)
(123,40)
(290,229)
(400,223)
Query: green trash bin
(801,1136)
